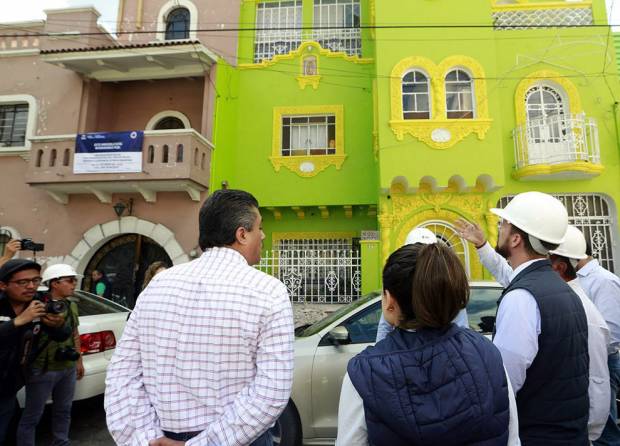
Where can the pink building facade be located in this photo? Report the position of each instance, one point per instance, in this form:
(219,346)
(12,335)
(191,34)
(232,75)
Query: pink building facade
(67,76)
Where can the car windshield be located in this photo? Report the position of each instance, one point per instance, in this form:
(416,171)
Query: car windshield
(89,304)
(320,325)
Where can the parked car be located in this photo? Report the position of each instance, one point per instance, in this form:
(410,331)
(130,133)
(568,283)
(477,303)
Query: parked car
(101,324)
(323,350)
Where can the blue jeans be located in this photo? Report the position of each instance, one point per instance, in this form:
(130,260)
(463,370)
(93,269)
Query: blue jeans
(7,410)
(61,386)
(264,440)
(611,433)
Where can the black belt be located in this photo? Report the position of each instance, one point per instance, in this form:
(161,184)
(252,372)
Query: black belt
(181,436)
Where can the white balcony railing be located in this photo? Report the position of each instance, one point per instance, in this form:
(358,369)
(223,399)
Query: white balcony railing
(557,139)
(270,43)
(527,14)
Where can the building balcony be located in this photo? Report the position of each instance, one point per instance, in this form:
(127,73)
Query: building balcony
(532,14)
(172,161)
(557,148)
(270,43)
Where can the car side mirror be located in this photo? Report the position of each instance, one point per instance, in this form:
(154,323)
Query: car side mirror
(339,336)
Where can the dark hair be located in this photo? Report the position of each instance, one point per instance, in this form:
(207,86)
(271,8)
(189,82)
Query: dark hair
(151,271)
(569,271)
(428,282)
(526,241)
(222,213)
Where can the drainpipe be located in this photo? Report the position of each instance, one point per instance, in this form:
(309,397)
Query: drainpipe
(615,108)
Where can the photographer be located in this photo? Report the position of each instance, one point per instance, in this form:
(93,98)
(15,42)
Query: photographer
(57,364)
(23,321)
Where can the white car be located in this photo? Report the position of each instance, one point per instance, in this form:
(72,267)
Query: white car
(101,325)
(323,350)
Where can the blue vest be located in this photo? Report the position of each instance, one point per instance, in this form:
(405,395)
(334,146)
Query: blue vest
(553,403)
(433,387)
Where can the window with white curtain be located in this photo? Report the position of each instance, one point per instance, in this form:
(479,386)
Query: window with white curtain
(416,95)
(278,26)
(459,95)
(308,135)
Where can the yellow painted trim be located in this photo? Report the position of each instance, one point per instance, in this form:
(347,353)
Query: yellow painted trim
(546,77)
(300,52)
(278,236)
(320,162)
(140,14)
(423,129)
(551,169)
(120,14)
(523,5)
(304,81)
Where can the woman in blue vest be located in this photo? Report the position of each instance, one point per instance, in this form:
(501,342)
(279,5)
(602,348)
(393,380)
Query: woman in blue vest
(429,382)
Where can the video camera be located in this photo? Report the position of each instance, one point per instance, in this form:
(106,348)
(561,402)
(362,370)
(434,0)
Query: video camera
(26,244)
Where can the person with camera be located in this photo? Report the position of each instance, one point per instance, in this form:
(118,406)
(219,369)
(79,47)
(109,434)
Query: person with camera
(24,320)
(56,366)
(10,250)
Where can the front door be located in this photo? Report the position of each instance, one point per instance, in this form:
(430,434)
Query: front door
(124,260)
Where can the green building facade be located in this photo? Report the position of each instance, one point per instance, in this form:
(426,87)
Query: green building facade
(354,121)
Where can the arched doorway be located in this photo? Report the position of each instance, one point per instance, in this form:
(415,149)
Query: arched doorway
(124,260)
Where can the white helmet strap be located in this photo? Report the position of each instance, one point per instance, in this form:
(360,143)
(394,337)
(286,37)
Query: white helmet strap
(537,245)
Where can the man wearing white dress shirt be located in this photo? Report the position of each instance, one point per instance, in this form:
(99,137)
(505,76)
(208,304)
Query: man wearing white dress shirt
(541,326)
(603,288)
(206,357)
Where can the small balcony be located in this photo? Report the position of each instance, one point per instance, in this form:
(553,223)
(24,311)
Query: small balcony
(534,14)
(557,148)
(172,161)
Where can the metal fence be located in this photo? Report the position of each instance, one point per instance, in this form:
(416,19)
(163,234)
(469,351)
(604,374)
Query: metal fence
(316,276)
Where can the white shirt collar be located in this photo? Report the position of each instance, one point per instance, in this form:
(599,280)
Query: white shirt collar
(588,268)
(522,267)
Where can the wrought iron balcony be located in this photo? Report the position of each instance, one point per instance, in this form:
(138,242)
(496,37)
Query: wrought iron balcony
(172,161)
(532,14)
(557,147)
(275,42)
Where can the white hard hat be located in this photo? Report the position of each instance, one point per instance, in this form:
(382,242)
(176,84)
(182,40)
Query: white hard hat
(574,246)
(57,271)
(420,235)
(539,215)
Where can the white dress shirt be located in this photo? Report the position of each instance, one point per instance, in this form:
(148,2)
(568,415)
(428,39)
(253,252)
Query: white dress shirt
(603,288)
(209,347)
(518,318)
(598,342)
(352,429)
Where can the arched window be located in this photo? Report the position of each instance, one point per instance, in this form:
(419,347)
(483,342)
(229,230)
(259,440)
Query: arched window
(195,156)
(177,24)
(53,158)
(310,66)
(39,157)
(151,155)
(459,95)
(66,157)
(546,115)
(169,123)
(416,96)
(447,234)
(180,153)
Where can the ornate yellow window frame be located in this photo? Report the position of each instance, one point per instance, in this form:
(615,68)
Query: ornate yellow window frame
(439,132)
(540,77)
(307,166)
(309,49)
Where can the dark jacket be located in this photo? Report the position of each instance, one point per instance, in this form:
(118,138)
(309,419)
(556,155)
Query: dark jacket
(18,346)
(108,287)
(433,387)
(553,403)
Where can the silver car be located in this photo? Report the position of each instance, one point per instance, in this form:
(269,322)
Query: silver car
(323,350)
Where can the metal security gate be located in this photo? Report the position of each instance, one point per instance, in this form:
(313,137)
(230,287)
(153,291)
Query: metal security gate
(318,275)
(592,215)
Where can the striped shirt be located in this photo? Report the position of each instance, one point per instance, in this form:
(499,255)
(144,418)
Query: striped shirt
(209,347)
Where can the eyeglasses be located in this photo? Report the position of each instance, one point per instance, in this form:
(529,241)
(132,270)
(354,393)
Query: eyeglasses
(36,281)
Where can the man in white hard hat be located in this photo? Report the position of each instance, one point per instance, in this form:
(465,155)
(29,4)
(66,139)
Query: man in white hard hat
(564,259)
(56,366)
(426,237)
(603,288)
(541,326)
